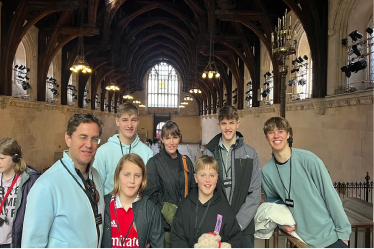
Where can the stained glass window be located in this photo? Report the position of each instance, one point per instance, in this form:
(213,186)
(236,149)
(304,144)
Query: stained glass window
(163,86)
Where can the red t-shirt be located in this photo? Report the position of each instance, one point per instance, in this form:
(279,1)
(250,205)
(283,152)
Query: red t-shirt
(124,220)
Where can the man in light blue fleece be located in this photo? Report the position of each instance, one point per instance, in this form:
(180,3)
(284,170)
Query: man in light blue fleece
(65,206)
(301,179)
(126,142)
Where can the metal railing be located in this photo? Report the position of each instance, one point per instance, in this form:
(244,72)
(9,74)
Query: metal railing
(361,190)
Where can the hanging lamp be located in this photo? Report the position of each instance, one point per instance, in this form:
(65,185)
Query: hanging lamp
(80,63)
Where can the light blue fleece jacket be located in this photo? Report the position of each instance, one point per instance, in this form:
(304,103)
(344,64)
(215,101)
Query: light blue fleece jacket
(58,212)
(318,210)
(109,154)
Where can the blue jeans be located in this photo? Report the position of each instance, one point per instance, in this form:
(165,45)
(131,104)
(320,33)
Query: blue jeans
(338,244)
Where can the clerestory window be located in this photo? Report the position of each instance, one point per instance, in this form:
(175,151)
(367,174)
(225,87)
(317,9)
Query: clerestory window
(163,86)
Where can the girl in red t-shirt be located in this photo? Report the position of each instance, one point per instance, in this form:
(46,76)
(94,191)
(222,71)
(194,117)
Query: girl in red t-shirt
(131,220)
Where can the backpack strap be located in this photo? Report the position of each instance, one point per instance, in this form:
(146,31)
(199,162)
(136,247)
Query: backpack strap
(185,176)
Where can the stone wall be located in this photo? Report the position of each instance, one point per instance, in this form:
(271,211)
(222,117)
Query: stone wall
(338,129)
(40,128)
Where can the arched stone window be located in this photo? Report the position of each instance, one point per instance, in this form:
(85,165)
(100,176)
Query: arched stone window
(163,86)
(304,76)
(19,74)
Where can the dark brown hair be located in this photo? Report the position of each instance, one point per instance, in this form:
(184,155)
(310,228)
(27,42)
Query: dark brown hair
(79,118)
(170,127)
(276,122)
(228,112)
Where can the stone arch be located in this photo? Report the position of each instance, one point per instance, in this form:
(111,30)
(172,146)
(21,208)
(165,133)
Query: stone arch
(20,59)
(30,45)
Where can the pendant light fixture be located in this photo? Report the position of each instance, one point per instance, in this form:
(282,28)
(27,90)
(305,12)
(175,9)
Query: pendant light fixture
(80,63)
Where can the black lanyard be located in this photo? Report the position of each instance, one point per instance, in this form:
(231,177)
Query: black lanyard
(224,164)
(119,229)
(289,192)
(92,203)
(120,144)
(201,222)
(84,189)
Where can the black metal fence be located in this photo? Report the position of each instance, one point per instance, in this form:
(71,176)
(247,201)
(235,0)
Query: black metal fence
(361,190)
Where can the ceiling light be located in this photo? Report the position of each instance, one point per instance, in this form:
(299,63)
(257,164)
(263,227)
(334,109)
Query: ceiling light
(184,103)
(211,69)
(142,106)
(195,90)
(80,64)
(128,96)
(181,106)
(136,102)
(188,98)
(112,86)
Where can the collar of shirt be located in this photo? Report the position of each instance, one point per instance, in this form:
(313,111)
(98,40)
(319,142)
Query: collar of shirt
(220,143)
(119,204)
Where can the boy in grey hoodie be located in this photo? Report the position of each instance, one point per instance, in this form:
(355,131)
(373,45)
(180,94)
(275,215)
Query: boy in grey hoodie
(239,172)
(125,142)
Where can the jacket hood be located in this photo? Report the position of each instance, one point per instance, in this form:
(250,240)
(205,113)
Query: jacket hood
(194,195)
(115,139)
(32,171)
(215,141)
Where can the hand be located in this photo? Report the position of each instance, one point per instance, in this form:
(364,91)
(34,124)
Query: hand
(148,245)
(345,242)
(289,229)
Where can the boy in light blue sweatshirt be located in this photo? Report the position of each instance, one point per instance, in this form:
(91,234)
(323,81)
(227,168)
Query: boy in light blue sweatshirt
(125,142)
(301,180)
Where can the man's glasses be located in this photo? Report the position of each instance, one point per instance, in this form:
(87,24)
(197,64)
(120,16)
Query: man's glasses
(94,193)
(84,138)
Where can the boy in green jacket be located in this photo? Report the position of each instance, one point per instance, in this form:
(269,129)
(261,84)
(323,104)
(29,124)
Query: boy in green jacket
(301,179)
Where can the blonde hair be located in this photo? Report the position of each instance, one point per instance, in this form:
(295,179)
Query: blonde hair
(206,162)
(135,159)
(10,147)
(127,108)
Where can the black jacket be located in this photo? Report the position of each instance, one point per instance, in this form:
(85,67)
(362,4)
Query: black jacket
(147,219)
(165,180)
(183,228)
(28,178)
(246,180)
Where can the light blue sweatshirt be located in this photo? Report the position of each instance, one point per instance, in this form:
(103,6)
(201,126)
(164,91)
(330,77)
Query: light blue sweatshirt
(58,212)
(109,154)
(318,210)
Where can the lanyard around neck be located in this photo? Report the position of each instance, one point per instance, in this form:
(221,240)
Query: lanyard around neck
(289,190)
(9,190)
(120,144)
(225,168)
(201,222)
(122,241)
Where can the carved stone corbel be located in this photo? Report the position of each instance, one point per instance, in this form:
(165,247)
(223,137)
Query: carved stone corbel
(256,111)
(5,100)
(276,108)
(319,106)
